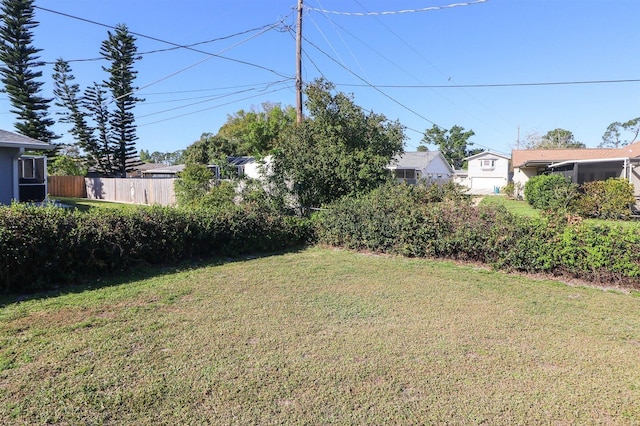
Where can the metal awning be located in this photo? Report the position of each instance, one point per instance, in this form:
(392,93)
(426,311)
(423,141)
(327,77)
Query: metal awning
(595,160)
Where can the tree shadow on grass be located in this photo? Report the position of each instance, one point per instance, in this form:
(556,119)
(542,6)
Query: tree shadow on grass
(139,273)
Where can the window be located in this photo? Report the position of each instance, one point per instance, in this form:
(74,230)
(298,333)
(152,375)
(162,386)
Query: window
(488,164)
(405,174)
(28,168)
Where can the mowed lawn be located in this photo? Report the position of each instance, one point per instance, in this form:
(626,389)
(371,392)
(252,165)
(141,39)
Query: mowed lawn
(323,336)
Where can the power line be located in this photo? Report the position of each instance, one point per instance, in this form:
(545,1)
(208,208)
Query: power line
(209,99)
(197,63)
(459,86)
(268,83)
(177,45)
(398,12)
(213,107)
(367,84)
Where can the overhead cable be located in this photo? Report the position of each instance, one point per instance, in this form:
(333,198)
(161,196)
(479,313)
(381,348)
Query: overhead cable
(457,86)
(398,12)
(367,84)
(175,47)
(169,42)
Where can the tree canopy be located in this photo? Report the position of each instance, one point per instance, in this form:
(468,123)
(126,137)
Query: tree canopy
(553,139)
(254,133)
(338,149)
(613,136)
(453,143)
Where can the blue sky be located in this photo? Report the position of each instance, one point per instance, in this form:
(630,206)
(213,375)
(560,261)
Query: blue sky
(494,42)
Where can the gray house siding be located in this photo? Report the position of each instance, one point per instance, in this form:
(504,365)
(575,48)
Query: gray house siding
(8,174)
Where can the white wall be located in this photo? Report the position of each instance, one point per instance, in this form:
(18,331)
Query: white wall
(437,166)
(484,177)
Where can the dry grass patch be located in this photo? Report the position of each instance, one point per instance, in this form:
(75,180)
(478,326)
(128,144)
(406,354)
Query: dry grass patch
(322,337)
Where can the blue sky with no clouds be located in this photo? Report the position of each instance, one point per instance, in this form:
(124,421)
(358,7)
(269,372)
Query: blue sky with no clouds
(417,61)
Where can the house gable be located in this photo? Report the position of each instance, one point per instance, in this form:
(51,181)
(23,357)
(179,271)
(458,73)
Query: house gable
(487,170)
(412,166)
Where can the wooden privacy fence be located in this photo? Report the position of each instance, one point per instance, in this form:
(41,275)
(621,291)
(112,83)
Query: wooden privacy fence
(131,190)
(66,186)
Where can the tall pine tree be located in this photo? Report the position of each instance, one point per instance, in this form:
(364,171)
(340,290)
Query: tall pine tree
(106,135)
(18,71)
(120,50)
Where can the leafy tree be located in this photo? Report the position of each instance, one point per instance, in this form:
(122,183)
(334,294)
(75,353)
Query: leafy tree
(452,143)
(67,162)
(145,156)
(337,150)
(208,148)
(554,139)
(168,158)
(120,49)
(257,132)
(18,72)
(612,137)
(195,188)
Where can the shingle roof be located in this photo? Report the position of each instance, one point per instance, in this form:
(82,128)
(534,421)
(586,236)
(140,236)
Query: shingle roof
(413,160)
(524,157)
(488,153)
(14,140)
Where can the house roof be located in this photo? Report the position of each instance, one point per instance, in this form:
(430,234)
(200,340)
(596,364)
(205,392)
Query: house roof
(414,160)
(240,161)
(14,140)
(166,169)
(531,157)
(489,154)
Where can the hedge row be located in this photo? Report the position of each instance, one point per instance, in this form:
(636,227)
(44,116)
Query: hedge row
(41,247)
(400,224)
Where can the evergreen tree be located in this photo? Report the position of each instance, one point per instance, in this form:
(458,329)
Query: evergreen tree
(18,74)
(101,144)
(120,50)
(107,137)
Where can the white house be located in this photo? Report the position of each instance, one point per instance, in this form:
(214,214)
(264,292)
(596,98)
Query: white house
(486,172)
(410,167)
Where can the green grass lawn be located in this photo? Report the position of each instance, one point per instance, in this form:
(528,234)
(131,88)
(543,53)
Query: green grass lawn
(514,206)
(84,204)
(520,207)
(322,336)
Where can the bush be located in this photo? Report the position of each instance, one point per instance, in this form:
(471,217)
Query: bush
(513,190)
(42,247)
(549,191)
(194,184)
(395,220)
(610,199)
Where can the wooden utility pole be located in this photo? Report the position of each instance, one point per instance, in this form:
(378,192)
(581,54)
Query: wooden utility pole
(299,65)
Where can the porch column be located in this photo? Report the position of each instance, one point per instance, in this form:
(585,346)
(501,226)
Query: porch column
(575,173)
(16,177)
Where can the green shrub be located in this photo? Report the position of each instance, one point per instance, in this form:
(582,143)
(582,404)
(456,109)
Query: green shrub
(397,221)
(610,199)
(549,192)
(42,247)
(513,190)
(194,184)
